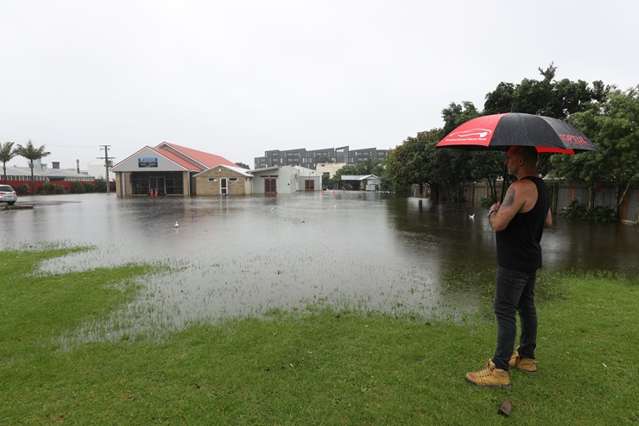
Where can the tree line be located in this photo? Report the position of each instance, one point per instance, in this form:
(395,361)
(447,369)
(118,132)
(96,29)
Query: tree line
(10,150)
(606,114)
(28,151)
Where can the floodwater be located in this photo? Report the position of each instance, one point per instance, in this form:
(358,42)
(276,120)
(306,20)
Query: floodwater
(249,255)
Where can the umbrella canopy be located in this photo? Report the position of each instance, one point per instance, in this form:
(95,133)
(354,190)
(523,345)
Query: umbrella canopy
(499,131)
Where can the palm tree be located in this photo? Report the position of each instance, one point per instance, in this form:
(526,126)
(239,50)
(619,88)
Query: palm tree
(31,153)
(6,154)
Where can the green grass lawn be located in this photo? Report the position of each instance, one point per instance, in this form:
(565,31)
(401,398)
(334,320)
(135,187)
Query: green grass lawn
(320,367)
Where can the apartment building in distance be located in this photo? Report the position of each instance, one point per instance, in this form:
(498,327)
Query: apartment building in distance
(311,158)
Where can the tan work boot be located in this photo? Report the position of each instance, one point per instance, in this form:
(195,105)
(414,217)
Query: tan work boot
(489,376)
(528,365)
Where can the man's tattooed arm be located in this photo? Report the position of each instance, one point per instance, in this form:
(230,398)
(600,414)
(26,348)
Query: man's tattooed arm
(507,210)
(509,199)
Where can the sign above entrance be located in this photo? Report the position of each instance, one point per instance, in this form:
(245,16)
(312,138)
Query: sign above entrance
(147,162)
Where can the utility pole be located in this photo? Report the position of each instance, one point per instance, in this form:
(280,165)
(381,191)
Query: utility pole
(107,161)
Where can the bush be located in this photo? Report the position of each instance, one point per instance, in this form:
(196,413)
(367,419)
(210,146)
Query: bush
(76,188)
(60,189)
(49,188)
(88,187)
(603,215)
(100,185)
(22,189)
(575,210)
(598,214)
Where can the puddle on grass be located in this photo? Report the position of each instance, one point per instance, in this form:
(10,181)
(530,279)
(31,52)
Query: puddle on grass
(246,256)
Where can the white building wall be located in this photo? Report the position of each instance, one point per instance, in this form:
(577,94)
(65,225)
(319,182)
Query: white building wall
(301,182)
(286,181)
(257,184)
(290,179)
(305,174)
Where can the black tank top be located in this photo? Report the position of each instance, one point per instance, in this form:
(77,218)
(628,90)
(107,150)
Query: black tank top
(518,245)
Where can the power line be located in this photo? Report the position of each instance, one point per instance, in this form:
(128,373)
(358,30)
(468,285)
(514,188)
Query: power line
(107,160)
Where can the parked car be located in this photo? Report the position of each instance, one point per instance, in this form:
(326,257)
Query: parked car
(7,195)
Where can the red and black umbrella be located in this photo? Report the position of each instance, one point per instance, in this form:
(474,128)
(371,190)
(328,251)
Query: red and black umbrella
(499,131)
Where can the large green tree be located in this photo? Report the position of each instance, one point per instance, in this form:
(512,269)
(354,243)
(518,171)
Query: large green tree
(31,153)
(6,154)
(456,114)
(459,167)
(546,96)
(613,125)
(417,161)
(412,162)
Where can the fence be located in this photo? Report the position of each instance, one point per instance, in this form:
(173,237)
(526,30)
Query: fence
(36,185)
(561,193)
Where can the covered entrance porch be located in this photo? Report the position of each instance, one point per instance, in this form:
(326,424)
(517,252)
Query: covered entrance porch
(153,184)
(157,183)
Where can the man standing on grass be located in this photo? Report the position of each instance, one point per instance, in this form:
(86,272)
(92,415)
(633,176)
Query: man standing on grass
(518,224)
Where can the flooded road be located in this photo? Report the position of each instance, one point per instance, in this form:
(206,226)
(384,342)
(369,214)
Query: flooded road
(248,255)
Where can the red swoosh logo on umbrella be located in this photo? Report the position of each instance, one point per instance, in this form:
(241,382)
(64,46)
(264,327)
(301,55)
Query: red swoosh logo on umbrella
(470,134)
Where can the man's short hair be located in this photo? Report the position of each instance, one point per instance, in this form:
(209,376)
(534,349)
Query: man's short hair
(528,154)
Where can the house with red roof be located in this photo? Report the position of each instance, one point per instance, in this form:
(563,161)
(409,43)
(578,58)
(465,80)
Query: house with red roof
(167,169)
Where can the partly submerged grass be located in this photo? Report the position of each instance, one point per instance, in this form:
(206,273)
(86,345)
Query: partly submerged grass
(320,368)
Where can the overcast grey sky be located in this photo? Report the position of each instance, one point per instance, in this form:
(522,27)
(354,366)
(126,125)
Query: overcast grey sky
(240,77)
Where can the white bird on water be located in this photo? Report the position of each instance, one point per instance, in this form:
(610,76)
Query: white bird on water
(471,216)
(177,225)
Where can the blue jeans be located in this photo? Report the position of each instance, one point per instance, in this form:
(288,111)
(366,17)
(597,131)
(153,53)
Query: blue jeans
(515,292)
